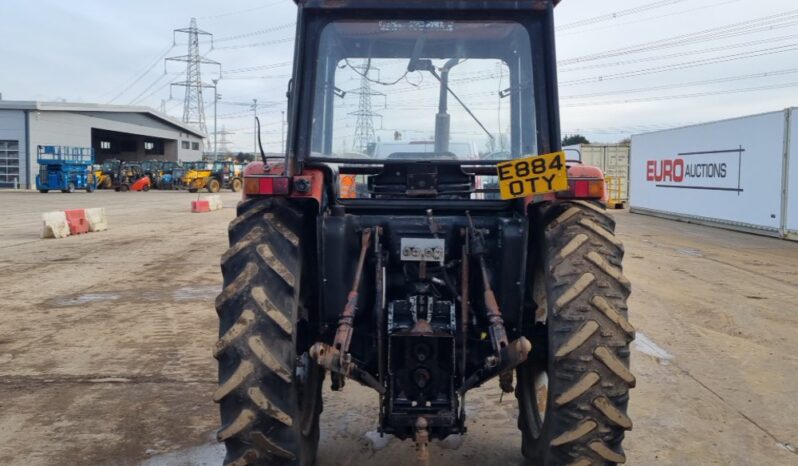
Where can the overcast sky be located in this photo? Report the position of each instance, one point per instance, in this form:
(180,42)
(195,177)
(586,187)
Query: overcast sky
(705,59)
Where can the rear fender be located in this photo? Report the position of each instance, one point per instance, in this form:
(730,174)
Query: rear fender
(590,174)
(585,171)
(577,173)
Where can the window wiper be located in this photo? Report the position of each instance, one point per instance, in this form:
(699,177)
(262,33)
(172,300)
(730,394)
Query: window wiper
(443,78)
(468,110)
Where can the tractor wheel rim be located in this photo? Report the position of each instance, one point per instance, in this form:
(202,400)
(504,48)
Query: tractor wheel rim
(308,400)
(541,387)
(534,374)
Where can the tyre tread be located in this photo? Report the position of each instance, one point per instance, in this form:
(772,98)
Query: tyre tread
(589,340)
(257,309)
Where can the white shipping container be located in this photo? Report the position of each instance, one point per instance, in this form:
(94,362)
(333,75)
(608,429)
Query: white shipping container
(791,185)
(733,173)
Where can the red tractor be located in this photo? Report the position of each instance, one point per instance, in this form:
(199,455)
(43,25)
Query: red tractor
(443,272)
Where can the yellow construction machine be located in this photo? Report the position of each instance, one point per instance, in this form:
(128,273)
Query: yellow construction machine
(220,175)
(104,174)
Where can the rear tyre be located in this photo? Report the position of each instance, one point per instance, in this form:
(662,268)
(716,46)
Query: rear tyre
(235,185)
(44,191)
(213,185)
(573,390)
(270,399)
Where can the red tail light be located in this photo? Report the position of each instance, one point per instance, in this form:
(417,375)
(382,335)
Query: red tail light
(348,186)
(266,186)
(583,189)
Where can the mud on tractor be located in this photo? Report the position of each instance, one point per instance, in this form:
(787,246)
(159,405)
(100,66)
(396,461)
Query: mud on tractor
(421,287)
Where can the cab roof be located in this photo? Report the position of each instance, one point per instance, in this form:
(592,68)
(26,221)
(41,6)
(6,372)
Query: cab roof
(429,4)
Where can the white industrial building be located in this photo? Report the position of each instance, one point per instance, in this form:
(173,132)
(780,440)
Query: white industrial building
(114,131)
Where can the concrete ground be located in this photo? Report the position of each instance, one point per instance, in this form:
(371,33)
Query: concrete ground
(105,345)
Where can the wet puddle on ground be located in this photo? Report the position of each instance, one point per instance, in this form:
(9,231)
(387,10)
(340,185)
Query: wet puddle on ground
(186,293)
(690,252)
(211,454)
(645,345)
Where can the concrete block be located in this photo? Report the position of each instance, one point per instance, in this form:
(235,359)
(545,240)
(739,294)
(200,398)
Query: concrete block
(54,225)
(97,219)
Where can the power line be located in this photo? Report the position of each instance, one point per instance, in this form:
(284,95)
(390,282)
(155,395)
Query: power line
(249,104)
(626,130)
(226,116)
(159,89)
(257,44)
(767,23)
(618,14)
(678,55)
(480,76)
(683,85)
(769,74)
(257,68)
(238,12)
(270,76)
(160,78)
(256,33)
(143,73)
(650,18)
(684,96)
(409,104)
(174,106)
(683,65)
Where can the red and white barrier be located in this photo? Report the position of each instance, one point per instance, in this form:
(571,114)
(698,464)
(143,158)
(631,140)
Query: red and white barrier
(97,219)
(61,224)
(210,203)
(76,219)
(199,207)
(55,225)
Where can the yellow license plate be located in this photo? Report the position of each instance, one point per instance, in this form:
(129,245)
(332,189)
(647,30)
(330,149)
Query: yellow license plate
(539,174)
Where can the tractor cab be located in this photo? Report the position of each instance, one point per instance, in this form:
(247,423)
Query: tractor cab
(441,78)
(452,84)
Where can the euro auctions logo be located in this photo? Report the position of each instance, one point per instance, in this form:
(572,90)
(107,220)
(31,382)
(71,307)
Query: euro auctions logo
(677,170)
(718,170)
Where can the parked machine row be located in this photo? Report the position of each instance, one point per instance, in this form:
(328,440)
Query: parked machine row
(73,168)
